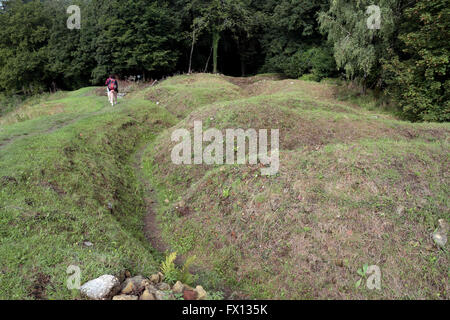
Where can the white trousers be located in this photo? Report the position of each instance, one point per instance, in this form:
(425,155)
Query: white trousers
(112,97)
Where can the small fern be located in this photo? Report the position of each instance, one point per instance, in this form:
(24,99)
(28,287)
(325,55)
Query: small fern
(169,264)
(185,275)
(173,274)
(169,269)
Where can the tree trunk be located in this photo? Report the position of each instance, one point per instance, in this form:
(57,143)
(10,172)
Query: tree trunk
(207,61)
(216,38)
(192,51)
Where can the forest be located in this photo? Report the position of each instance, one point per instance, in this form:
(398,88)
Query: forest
(404,58)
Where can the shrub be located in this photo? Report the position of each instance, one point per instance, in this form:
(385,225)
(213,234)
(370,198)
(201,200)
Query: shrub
(9,103)
(417,79)
(317,61)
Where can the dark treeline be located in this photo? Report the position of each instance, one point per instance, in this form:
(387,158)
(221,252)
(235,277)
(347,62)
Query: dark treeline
(407,57)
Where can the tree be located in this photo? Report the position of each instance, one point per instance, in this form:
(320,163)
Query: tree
(68,67)
(358,49)
(24,35)
(418,72)
(135,36)
(291,34)
(216,17)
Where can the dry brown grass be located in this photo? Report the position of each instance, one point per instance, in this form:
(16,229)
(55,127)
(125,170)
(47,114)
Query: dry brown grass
(353,188)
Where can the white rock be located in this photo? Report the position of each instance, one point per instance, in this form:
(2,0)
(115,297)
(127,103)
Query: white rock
(102,288)
(88,244)
(440,239)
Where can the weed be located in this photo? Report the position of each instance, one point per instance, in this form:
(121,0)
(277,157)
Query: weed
(172,273)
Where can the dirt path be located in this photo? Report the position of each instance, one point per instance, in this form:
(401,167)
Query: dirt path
(151,229)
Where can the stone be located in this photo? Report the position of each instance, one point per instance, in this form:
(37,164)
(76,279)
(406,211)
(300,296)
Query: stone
(440,239)
(145,283)
(125,297)
(189,295)
(133,285)
(147,295)
(201,293)
(155,278)
(128,287)
(102,288)
(151,288)
(440,236)
(160,295)
(178,287)
(163,286)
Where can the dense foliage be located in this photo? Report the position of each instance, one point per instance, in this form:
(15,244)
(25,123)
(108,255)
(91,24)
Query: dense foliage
(419,78)
(407,57)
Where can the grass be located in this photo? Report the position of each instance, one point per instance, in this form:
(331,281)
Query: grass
(345,172)
(54,194)
(8,103)
(356,186)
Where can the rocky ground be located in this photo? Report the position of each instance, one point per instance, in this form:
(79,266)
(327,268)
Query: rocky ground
(108,287)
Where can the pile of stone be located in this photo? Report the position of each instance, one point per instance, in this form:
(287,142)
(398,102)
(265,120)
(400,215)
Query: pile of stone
(109,287)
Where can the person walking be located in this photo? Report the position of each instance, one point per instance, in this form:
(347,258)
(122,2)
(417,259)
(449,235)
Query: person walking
(112,86)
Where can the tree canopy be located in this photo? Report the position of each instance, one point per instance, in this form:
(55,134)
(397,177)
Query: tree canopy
(407,56)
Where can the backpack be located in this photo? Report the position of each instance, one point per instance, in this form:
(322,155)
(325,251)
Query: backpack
(112,85)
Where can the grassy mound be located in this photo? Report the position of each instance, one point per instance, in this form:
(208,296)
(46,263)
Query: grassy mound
(62,186)
(354,187)
(183,94)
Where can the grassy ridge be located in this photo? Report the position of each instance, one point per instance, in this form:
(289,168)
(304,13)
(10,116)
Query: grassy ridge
(354,187)
(56,186)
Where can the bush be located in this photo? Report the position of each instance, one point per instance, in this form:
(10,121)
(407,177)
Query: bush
(317,61)
(417,79)
(9,103)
